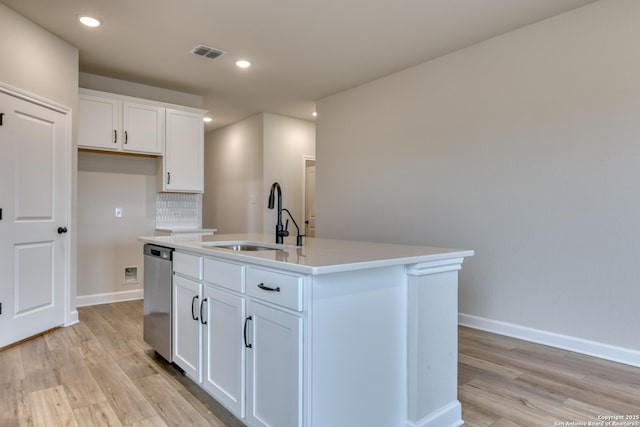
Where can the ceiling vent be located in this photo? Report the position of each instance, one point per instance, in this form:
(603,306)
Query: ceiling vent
(206,51)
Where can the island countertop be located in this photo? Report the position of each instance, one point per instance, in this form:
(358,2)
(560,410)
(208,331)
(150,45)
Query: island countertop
(316,256)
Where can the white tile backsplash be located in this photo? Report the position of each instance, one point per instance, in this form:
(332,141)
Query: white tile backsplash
(178,211)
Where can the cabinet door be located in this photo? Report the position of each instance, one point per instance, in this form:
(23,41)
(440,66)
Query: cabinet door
(274,369)
(99,122)
(224,355)
(187,328)
(184,152)
(143,128)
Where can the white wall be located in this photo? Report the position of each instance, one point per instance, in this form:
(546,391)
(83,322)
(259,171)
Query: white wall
(523,148)
(123,87)
(286,142)
(232,200)
(49,70)
(107,244)
(243,160)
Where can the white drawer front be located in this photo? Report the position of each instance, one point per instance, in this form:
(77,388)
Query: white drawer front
(225,274)
(188,265)
(275,287)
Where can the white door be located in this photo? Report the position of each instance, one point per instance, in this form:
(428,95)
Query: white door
(34,200)
(187,329)
(224,364)
(310,198)
(274,368)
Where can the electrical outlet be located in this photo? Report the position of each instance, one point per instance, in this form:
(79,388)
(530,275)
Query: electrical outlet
(118,212)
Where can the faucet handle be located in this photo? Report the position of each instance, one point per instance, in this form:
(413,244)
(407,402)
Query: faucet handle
(285,232)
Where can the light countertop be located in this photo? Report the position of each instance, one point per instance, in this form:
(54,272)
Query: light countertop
(316,256)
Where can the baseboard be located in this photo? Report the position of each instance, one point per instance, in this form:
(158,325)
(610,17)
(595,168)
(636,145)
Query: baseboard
(106,298)
(565,342)
(72,318)
(449,415)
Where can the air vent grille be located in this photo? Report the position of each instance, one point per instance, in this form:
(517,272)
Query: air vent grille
(206,51)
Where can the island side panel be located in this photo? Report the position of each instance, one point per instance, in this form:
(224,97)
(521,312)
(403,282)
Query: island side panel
(433,347)
(358,349)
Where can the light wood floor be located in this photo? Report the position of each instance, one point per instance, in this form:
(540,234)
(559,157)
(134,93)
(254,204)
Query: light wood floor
(100,373)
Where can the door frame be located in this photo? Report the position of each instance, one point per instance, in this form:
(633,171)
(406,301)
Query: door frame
(70,311)
(305,157)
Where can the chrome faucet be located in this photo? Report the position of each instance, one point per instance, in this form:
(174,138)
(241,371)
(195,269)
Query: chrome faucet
(282,231)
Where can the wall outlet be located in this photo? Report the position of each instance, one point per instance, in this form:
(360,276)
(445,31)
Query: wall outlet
(118,212)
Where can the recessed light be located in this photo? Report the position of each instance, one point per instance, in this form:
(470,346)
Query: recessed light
(89,21)
(243,63)
(314,114)
(207,119)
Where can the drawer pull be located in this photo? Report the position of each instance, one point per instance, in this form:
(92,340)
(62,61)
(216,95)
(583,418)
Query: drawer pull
(268,288)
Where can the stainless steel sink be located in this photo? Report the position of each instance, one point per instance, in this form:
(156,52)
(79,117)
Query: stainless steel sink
(244,246)
(247,248)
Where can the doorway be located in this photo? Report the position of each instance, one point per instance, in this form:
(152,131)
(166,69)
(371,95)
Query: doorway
(310,196)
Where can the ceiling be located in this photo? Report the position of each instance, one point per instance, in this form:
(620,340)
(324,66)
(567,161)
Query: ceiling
(301,50)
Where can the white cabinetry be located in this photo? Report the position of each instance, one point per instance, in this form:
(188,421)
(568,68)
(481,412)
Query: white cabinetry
(183,163)
(275,357)
(245,350)
(187,328)
(187,314)
(223,355)
(274,368)
(108,122)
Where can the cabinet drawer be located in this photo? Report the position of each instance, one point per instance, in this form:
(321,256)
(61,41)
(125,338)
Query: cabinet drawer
(188,265)
(225,274)
(275,287)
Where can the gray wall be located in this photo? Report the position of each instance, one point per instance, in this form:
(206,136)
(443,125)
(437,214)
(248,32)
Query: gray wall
(523,148)
(36,61)
(232,200)
(243,160)
(286,142)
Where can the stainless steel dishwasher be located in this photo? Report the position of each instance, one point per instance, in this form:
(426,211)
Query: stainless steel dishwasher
(158,271)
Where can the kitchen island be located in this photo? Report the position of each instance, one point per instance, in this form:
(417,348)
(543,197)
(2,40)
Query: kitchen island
(333,333)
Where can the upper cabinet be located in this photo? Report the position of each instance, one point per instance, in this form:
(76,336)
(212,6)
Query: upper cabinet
(109,122)
(183,163)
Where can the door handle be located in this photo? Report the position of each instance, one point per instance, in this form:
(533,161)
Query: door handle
(204,322)
(193,304)
(62,230)
(115,136)
(246,323)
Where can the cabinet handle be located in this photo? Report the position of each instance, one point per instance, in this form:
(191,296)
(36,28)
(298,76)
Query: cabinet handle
(115,136)
(246,323)
(126,137)
(193,304)
(268,288)
(168,178)
(204,322)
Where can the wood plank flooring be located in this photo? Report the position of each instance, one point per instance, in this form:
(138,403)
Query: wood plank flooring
(101,373)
